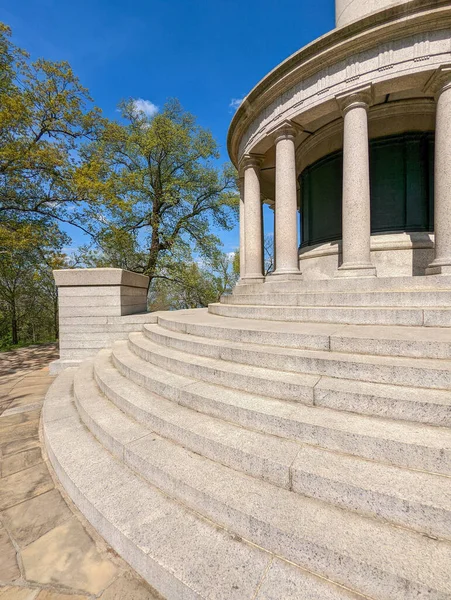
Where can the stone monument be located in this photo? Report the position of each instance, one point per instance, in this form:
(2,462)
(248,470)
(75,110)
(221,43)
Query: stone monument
(293,441)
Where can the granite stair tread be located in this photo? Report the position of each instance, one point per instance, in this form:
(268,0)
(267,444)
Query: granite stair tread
(321,336)
(322,314)
(256,453)
(402,283)
(385,298)
(289,386)
(419,372)
(166,542)
(352,315)
(344,390)
(413,499)
(405,444)
(374,557)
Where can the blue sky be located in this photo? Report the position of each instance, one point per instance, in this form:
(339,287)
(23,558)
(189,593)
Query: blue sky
(206,53)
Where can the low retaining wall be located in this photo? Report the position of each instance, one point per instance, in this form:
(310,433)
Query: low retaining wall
(96,308)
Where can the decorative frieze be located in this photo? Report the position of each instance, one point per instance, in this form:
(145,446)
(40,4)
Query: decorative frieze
(414,54)
(421,48)
(352,69)
(323,84)
(386,57)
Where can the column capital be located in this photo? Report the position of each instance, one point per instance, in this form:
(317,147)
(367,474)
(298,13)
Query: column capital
(250,161)
(287,130)
(361,97)
(439,81)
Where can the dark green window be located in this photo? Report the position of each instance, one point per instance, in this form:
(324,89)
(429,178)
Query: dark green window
(401,176)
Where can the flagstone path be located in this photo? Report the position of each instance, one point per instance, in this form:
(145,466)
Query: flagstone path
(47,550)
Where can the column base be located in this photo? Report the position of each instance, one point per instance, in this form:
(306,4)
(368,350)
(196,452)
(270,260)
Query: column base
(285,275)
(439,268)
(249,279)
(356,270)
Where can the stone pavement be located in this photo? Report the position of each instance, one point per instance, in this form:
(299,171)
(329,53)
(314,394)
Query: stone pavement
(47,550)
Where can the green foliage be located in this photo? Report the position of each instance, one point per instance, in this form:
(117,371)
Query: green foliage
(147,190)
(160,189)
(192,284)
(28,297)
(44,117)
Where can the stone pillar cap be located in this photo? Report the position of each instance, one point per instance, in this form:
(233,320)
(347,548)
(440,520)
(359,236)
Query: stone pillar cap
(99,277)
(285,130)
(439,81)
(362,95)
(251,160)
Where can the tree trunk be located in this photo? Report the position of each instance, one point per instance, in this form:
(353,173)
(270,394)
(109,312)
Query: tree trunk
(14,326)
(154,251)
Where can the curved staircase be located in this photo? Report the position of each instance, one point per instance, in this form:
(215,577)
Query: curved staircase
(231,455)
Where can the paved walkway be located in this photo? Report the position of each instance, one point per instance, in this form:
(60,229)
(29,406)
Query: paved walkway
(47,550)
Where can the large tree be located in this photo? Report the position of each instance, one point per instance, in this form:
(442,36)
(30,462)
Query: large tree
(194,284)
(45,114)
(162,191)
(28,297)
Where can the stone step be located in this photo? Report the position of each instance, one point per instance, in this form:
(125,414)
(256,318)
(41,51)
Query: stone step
(418,299)
(415,372)
(412,317)
(258,454)
(179,553)
(269,382)
(409,498)
(295,527)
(360,284)
(413,499)
(414,446)
(404,403)
(397,402)
(416,342)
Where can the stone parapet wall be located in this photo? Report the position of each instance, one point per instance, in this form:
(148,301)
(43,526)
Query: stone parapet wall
(96,308)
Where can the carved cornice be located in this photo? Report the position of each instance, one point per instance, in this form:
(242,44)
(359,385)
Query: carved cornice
(342,54)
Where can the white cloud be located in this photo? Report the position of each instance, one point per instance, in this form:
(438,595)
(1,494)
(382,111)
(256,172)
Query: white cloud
(230,256)
(145,106)
(235,103)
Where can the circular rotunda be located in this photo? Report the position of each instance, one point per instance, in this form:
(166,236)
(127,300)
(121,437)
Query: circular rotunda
(292,441)
(351,136)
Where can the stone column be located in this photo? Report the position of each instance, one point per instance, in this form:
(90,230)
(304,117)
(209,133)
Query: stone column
(97,307)
(253,222)
(356,187)
(242,229)
(441,264)
(286,222)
